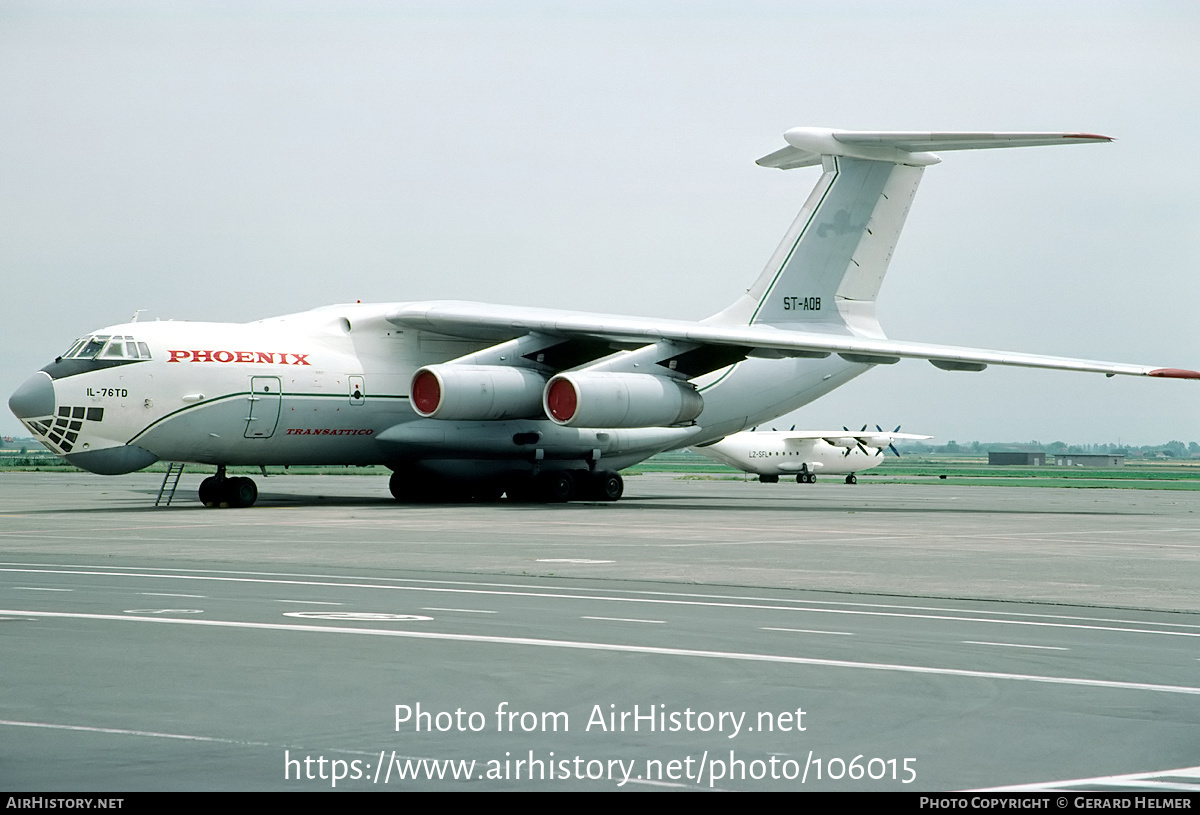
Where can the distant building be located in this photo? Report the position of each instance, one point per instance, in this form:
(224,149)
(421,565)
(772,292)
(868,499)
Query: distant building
(1088,460)
(1006,458)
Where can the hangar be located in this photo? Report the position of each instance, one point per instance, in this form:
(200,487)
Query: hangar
(1018,458)
(1088,460)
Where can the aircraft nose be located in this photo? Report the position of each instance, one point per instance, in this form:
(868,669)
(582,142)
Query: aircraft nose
(35,397)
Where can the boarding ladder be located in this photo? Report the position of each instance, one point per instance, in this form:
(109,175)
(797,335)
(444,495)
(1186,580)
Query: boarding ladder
(169,485)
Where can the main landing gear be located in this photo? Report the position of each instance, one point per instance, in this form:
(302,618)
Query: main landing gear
(811,478)
(219,491)
(806,477)
(550,487)
(559,486)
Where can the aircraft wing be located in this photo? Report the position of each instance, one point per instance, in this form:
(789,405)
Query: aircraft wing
(859,435)
(499,323)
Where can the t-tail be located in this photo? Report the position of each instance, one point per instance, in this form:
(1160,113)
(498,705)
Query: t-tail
(826,273)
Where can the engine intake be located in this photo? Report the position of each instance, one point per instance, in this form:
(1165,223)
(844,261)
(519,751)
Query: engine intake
(476,392)
(602,399)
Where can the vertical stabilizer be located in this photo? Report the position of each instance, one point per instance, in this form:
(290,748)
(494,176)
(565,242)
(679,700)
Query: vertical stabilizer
(827,271)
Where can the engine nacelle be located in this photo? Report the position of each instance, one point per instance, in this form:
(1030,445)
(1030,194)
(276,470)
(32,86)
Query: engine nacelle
(602,399)
(476,392)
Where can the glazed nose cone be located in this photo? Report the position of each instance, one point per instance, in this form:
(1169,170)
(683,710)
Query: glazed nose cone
(35,398)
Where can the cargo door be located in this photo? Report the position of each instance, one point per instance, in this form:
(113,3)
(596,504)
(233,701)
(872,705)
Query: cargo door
(266,399)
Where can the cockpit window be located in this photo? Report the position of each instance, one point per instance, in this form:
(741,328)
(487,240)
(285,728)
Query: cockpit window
(70,352)
(103,346)
(90,348)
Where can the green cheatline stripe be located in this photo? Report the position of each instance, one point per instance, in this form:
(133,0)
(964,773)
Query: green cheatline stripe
(247,394)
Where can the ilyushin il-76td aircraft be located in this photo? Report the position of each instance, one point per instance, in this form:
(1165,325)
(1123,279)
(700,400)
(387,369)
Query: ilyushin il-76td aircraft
(475,401)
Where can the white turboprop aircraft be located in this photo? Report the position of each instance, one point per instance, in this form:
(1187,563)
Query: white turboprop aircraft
(805,453)
(474,400)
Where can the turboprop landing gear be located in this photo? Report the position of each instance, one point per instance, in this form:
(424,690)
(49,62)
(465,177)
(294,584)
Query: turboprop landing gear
(852,479)
(805,477)
(219,491)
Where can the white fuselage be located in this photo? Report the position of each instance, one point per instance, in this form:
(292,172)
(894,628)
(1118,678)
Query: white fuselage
(331,386)
(779,453)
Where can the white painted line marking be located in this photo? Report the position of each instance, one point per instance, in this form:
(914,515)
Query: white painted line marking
(622,620)
(631,649)
(709,601)
(570,560)
(1143,784)
(163,594)
(37,588)
(117,731)
(359,616)
(1016,645)
(311,602)
(809,631)
(647,782)
(1133,779)
(461,610)
(121,732)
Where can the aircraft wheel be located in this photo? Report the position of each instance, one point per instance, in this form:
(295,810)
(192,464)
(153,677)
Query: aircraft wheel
(409,488)
(210,490)
(851,479)
(240,492)
(556,486)
(607,485)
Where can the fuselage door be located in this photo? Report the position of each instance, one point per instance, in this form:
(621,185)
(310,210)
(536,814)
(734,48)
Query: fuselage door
(265,402)
(358,391)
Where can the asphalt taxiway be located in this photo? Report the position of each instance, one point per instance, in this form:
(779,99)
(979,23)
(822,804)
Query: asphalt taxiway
(935,638)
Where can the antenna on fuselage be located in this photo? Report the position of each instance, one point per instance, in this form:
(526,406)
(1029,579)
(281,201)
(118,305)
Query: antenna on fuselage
(135,314)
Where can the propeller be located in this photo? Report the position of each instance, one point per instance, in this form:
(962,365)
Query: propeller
(857,443)
(891,446)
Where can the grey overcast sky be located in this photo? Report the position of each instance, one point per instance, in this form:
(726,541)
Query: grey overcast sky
(238,160)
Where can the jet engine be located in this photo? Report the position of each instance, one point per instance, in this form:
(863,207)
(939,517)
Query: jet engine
(476,392)
(603,399)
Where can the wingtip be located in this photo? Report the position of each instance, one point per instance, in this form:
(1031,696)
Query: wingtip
(1175,373)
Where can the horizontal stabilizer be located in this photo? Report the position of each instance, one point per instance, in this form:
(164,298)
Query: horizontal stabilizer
(806,145)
